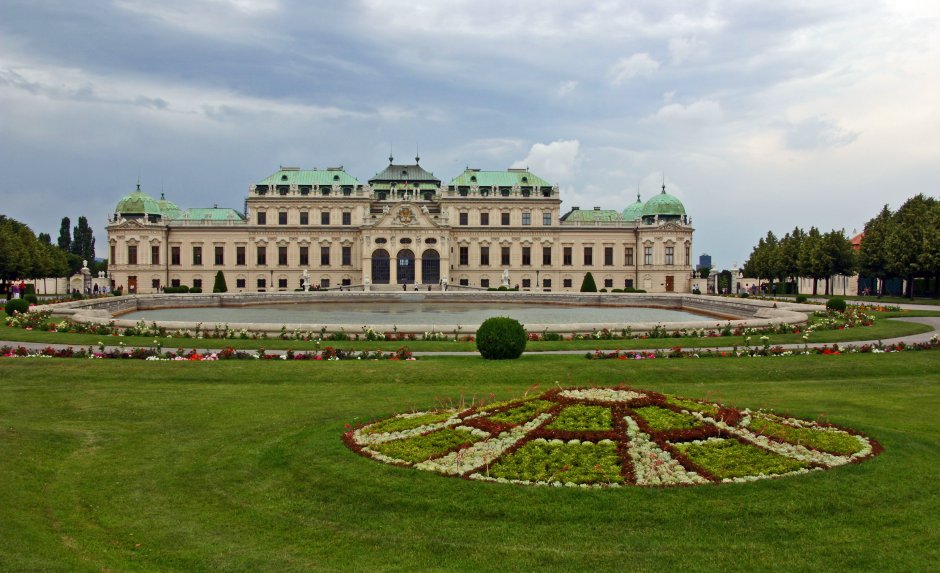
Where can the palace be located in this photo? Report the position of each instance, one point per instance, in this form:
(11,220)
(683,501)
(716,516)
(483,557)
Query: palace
(324,228)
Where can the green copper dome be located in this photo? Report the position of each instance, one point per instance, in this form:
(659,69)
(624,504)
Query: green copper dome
(138,203)
(168,208)
(663,205)
(633,211)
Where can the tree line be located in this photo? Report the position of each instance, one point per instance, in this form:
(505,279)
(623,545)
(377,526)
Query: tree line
(24,255)
(902,244)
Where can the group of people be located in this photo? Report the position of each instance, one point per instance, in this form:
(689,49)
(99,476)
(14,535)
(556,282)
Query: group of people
(17,290)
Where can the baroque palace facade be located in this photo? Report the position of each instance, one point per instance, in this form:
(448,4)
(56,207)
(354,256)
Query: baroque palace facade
(404,227)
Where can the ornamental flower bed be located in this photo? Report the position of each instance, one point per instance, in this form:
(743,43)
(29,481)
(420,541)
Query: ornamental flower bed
(608,437)
(764,350)
(157,353)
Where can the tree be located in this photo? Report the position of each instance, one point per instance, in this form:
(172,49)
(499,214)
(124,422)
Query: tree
(790,247)
(838,255)
(219,285)
(65,235)
(83,241)
(873,254)
(907,240)
(587,285)
(813,261)
(704,272)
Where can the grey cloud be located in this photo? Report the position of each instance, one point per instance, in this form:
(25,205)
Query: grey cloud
(817,133)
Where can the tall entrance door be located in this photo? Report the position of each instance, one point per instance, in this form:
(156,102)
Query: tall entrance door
(670,283)
(430,267)
(381,274)
(132,285)
(406,267)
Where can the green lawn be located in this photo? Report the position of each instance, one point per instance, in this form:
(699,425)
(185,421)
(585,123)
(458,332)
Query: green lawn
(140,466)
(882,329)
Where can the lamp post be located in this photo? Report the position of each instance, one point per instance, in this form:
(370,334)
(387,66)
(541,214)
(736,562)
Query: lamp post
(538,285)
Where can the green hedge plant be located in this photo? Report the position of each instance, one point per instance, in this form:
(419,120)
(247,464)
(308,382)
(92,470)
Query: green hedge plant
(501,338)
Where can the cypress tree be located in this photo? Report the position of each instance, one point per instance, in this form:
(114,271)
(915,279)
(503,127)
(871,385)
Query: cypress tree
(219,285)
(588,284)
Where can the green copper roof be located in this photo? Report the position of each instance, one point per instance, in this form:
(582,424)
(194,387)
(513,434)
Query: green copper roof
(634,210)
(520,177)
(211,214)
(138,203)
(292,176)
(591,216)
(663,204)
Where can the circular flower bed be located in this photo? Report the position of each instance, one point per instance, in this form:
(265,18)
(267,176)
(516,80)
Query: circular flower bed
(608,437)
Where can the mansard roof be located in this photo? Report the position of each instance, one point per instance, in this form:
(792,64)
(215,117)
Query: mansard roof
(576,215)
(297,176)
(507,178)
(394,173)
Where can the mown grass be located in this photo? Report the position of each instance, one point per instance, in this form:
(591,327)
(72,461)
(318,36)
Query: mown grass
(238,466)
(881,330)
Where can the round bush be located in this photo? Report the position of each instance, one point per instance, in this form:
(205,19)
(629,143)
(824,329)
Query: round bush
(31,298)
(801,298)
(17,305)
(501,338)
(836,303)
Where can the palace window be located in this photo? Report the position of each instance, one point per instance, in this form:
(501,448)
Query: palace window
(346,254)
(485,283)
(304,256)
(219,255)
(647,255)
(628,256)
(504,218)
(132,254)
(325,218)
(547,218)
(197,255)
(526,218)
(282,256)
(588,256)
(347,218)
(240,255)
(547,283)
(154,254)
(566,283)
(325,256)
(484,218)
(261,284)
(669,255)
(526,283)
(608,256)
(282,218)
(304,218)
(239,283)
(282,283)
(546,256)
(464,255)
(608,283)
(262,218)
(566,256)
(484,256)
(526,256)
(174,255)
(464,218)
(504,256)
(262,255)
(197,283)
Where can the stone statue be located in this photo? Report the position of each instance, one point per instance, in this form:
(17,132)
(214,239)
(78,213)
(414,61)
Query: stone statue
(505,280)
(305,281)
(366,283)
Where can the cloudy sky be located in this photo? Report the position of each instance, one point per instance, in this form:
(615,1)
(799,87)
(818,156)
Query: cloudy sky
(761,115)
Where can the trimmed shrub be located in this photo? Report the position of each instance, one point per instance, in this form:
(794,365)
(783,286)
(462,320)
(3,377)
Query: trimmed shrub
(195,290)
(602,290)
(31,298)
(836,303)
(588,285)
(501,338)
(220,285)
(801,298)
(744,295)
(17,305)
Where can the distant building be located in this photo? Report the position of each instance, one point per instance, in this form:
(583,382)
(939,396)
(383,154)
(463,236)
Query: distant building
(404,227)
(704,261)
